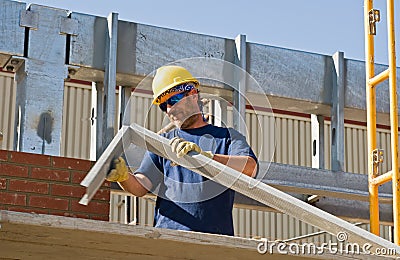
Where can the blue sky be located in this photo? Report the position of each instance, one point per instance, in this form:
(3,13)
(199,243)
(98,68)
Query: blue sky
(318,26)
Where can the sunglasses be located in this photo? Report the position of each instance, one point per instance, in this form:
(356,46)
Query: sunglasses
(173,100)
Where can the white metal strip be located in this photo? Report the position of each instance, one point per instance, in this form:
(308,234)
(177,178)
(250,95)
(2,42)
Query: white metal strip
(239,182)
(95,177)
(258,190)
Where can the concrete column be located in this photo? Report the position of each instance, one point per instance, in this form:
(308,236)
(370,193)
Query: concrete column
(40,83)
(337,114)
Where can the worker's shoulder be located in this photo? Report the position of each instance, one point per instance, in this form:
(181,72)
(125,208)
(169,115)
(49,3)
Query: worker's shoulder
(209,129)
(222,132)
(171,133)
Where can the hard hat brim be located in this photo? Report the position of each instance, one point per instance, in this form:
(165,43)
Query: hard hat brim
(159,100)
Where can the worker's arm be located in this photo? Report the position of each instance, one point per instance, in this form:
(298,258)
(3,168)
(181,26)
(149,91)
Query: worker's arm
(137,184)
(244,164)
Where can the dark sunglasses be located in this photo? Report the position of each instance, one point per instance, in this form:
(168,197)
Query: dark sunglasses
(173,100)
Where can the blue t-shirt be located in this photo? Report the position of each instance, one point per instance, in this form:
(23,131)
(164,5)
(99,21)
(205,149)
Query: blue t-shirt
(186,200)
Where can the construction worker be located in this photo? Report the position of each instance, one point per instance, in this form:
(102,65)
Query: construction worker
(185,199)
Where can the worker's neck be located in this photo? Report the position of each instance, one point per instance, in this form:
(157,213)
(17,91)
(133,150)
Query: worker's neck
(195,122)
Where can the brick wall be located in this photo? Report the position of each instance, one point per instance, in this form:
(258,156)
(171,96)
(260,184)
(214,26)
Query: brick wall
(48,185)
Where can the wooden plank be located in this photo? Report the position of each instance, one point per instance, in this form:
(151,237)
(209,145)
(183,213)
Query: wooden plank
(37,236)
(257,190)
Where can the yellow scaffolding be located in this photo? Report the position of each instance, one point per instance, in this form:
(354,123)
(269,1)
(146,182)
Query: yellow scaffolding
(375,155)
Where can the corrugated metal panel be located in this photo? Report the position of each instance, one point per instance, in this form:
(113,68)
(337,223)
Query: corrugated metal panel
(285,139)
(356,153)
(355,149)
(76,121)
(327,144)
(7,109)
(117,118)
(146,211)
(144,113)
(383,142)
(272,225)
(118,208)
(293,139)
(277,226)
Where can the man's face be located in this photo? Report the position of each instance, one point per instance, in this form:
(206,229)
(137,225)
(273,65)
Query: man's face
(183,114)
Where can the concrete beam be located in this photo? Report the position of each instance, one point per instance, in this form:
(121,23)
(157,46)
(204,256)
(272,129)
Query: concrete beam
(270,66)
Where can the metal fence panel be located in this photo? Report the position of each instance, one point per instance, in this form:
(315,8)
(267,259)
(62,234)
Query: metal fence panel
(77,121)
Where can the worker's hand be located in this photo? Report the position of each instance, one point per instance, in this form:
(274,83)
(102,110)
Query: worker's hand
(181,147)
(120,172)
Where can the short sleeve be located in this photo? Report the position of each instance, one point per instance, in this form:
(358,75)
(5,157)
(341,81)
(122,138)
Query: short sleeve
(238,145)
(152,168)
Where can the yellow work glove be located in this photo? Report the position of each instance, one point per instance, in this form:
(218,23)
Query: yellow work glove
(120,172)
(181,147)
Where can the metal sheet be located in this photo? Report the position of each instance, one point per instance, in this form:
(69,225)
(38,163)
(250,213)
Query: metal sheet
(141,111)
(288,132)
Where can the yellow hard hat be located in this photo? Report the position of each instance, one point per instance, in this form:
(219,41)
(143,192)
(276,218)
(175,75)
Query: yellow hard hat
(168,77)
